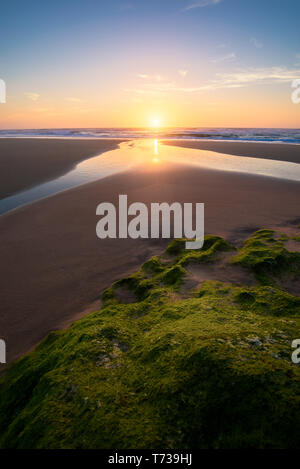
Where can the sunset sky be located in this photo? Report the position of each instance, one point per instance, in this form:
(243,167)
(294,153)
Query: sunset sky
(94,63)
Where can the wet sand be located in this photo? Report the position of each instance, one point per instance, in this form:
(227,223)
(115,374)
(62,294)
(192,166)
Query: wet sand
(54,268)
(270,151)
(26,162)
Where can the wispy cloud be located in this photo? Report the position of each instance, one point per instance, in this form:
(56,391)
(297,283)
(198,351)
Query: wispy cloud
(156,78)
(239,79)
(183,73)
(225,58)
(251,77)
(256,43)
(202,3)
(268,76)
(32,96)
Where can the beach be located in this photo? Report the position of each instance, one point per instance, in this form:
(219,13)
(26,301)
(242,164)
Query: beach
(26,162)
(272,151)
(54,268)
(150,227)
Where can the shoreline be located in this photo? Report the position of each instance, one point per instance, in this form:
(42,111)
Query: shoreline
(152,137)
(28,162)
(110,147)
(60,160)
(272,151)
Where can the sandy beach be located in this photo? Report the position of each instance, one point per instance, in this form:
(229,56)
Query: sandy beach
(53,267)
(270,151)
(26,162)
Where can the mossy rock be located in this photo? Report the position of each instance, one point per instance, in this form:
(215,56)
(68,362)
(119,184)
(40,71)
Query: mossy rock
(210,370)
(267,257)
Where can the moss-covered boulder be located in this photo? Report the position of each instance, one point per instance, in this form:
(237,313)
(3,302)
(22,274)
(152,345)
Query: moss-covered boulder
(205,367)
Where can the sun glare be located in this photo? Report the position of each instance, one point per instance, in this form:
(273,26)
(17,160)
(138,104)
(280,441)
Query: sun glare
(155,122)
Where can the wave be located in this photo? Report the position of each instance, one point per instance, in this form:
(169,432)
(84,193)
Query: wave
(223,134)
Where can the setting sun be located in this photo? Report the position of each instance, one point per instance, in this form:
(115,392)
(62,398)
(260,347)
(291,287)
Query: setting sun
(156,123)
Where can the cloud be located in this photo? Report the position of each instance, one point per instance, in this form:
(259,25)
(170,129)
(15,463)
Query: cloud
(225,58)
(256,43)
(202,3)
(32,96)
(251,77)
(268,76)
(156,78)
(183,73)
(239,79)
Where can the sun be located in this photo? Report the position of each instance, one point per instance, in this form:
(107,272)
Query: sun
(155,122)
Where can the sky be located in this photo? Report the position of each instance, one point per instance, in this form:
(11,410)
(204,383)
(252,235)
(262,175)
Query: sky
(119,63)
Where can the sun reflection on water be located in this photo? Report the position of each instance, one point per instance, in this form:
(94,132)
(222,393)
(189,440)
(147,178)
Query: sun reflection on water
(155,159)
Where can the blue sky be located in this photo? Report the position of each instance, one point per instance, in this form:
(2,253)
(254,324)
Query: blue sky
(99,63)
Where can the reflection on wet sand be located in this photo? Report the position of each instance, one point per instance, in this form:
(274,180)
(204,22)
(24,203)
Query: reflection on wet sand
(146,153)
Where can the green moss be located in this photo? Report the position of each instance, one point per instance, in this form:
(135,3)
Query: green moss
(212,246)
(176,246)
(153,266)
(208,370)
(268,300)
(108,296)
(267,256)
(173,275)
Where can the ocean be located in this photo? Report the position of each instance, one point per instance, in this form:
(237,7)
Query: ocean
(222,134)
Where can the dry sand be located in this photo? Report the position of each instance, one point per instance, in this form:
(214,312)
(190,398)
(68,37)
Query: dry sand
(53,268)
